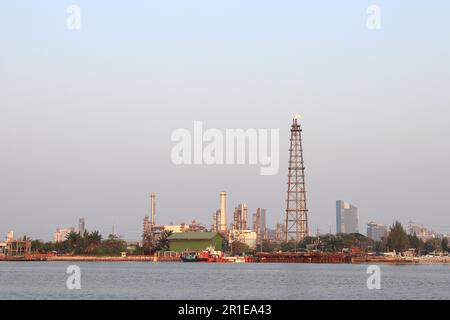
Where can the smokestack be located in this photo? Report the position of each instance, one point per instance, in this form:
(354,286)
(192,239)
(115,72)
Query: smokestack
(223,211)
(152,208)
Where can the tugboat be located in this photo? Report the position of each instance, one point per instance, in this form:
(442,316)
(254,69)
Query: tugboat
(193,257)
(210,255)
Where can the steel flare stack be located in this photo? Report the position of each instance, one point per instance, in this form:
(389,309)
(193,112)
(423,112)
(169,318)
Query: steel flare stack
(296,209)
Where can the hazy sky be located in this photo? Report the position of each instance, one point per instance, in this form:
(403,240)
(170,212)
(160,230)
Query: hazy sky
(86,116)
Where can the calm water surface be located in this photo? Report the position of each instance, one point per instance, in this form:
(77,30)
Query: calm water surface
(143,280)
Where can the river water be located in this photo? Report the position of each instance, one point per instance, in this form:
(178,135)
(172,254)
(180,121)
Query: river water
(145,280)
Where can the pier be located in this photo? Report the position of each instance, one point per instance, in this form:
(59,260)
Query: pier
(301,257)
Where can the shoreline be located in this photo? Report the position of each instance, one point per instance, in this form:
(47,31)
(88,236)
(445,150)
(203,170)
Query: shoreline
(354,260)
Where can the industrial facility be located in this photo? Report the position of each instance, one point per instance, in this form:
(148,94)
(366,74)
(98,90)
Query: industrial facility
(294,229)
(246,232)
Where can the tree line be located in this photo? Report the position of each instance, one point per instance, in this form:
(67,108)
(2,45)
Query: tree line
(397,239)
(93,243)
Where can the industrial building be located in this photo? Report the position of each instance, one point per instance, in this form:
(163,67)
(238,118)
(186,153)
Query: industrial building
(152,231)
(195,241)
(194,226)
(149,222)
(240,217)
(347,220)
(248,237)
(280,232)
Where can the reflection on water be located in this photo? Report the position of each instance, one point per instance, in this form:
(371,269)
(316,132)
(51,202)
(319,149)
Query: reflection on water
(144,280)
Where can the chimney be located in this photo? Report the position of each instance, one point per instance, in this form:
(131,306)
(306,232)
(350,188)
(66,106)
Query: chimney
(152,208)
(223,211)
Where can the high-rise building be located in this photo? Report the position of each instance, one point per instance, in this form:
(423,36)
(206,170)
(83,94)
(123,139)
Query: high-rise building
(347,220)
(264,233)
(81,226)
(259,224)
(376,231)
(423,233)
(61,234)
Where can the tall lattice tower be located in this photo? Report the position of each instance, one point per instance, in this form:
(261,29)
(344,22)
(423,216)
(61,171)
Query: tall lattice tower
(296,209)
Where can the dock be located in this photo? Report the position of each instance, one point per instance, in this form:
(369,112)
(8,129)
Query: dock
(302,257)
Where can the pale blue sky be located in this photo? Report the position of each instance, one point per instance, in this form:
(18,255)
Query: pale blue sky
(86,116)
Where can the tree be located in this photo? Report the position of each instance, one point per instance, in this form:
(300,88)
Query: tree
(163,242)
(415,242)
(37,246)
(444,244)
(268,246)
(111,246)
(147,242)
(379,246)
(397,239)
(94,238)
(238,248)
(287,246)
(74,242)
(433,244)
(306,241)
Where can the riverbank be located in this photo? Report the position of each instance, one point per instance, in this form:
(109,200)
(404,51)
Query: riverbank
(285,258)
(401,260)
(82,258)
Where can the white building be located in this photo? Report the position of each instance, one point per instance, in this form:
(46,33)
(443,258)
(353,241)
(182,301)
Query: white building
(347,219)
(184,227)
(175,228)
(376,231)
(421,232)
(61,234)
(10,236)
(249,237)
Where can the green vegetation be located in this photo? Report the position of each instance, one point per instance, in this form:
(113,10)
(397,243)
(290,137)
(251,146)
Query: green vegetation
(444,245)
(433,244)
(162,244)
(397,239)
(92,243)
(324,243)
(88,243)
(239,248)
(415,242)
